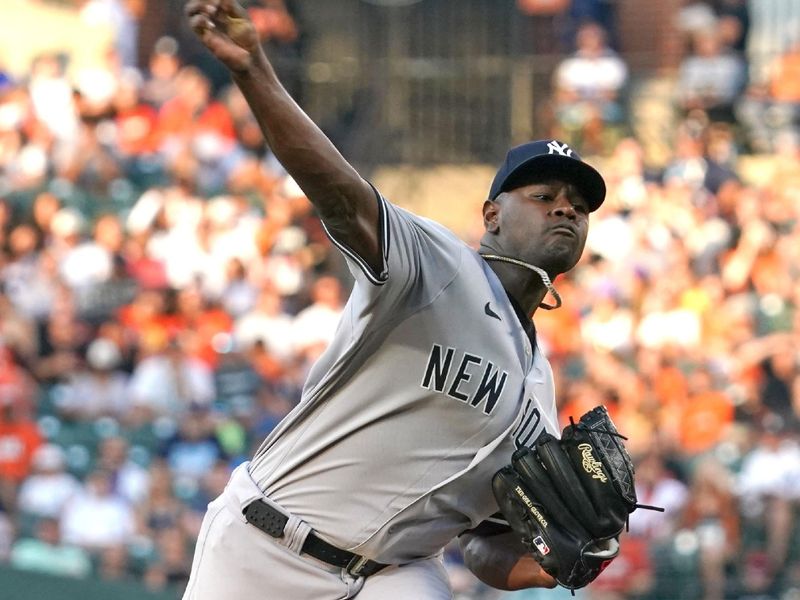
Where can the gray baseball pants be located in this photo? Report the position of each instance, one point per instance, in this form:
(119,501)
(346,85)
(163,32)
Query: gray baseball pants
(233,559)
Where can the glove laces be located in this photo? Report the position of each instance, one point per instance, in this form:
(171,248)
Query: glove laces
(618,435)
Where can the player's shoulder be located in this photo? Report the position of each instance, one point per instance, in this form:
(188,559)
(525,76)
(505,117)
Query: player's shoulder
(425,224)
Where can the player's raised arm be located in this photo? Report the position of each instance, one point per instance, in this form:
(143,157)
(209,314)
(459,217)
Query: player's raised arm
(345,202)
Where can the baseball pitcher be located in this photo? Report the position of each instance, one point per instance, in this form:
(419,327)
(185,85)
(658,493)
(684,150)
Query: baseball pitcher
(431,416)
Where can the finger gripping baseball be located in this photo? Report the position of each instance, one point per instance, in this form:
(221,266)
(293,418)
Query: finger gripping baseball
(236,26)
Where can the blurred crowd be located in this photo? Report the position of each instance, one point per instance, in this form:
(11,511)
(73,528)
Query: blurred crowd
(165,287)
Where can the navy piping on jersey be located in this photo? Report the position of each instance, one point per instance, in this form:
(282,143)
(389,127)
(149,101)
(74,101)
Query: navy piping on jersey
(383,242)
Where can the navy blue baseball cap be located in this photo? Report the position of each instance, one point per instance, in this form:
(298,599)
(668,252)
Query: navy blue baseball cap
(548,158)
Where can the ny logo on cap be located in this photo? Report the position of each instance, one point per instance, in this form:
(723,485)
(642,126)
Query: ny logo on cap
(556,148)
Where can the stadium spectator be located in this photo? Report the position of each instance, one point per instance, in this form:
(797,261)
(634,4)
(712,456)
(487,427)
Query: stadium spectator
(170,382)
(770,109)
(18,331)
(160,508)
(193,113)
(19,434)
(174,557)
(49,487)
(96,87)
(134,123)
(163,67)
(589,87)
(202,323)
(92,266)
(122,17)
(63,336)
(44,552)
(656,485)
(266,322)
(315,325)
(194,449)
(768,490)
(129,480)
(734,23)
(97,518)
(710,514)
(707,414)
(113,564)
(52,99)
(711,77)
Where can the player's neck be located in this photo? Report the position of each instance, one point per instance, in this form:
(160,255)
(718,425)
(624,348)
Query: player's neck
(525,287)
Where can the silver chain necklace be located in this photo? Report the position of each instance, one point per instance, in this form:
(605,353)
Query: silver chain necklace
(541,272)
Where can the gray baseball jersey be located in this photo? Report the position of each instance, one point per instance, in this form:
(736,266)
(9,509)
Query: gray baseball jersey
(427,387)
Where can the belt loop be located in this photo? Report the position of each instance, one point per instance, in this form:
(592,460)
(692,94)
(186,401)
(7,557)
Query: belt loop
(295,534)
(298,537)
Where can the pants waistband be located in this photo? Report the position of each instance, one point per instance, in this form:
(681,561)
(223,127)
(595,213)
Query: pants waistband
(241,491)
(248,502)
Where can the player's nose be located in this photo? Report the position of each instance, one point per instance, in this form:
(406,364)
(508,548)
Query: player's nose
(564,208)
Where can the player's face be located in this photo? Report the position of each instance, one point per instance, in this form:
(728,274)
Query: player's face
(544,223)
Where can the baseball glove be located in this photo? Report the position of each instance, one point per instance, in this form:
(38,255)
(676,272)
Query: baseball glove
(569,499)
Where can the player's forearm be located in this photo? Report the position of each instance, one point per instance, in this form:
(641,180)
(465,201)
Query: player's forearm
(331,183)
(502,562)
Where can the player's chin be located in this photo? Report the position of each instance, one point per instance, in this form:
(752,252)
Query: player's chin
(562,258)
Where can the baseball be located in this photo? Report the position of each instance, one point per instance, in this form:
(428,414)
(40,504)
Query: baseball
(236,26)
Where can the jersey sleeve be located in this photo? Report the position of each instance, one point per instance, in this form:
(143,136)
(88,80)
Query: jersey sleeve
(494,525)
(416,253)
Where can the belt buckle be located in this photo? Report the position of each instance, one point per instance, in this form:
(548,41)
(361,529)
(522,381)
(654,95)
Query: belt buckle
(356,565)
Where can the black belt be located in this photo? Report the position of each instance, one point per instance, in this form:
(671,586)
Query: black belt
(272,521)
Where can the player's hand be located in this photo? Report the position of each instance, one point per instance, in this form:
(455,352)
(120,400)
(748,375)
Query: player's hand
(226,30)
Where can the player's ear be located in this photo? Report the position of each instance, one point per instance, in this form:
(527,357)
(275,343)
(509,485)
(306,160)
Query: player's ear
(491,216)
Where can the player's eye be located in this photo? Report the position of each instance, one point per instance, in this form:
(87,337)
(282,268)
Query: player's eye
(543,197)
(581,208)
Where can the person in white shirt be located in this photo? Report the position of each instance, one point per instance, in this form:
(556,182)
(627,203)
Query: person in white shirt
(49,488)
(169,382)
(97,518)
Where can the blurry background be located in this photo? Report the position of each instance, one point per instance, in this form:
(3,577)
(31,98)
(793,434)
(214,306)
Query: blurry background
(164,287)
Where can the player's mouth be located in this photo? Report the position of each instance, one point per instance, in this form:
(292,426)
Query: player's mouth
(564,230)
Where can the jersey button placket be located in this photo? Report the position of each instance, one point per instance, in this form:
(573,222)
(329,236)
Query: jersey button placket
(529,362)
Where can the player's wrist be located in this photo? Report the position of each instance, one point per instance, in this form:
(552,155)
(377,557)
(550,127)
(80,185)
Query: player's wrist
(246,67)
(528,573)
(255,65)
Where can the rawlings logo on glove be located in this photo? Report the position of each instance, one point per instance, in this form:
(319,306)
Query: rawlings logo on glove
(557,497)
(590,465)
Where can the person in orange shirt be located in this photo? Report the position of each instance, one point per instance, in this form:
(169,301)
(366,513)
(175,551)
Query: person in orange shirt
(205,326)
(706,416)
(784,86)
(193,116)
(147,319)
(19,439)
(772,107)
